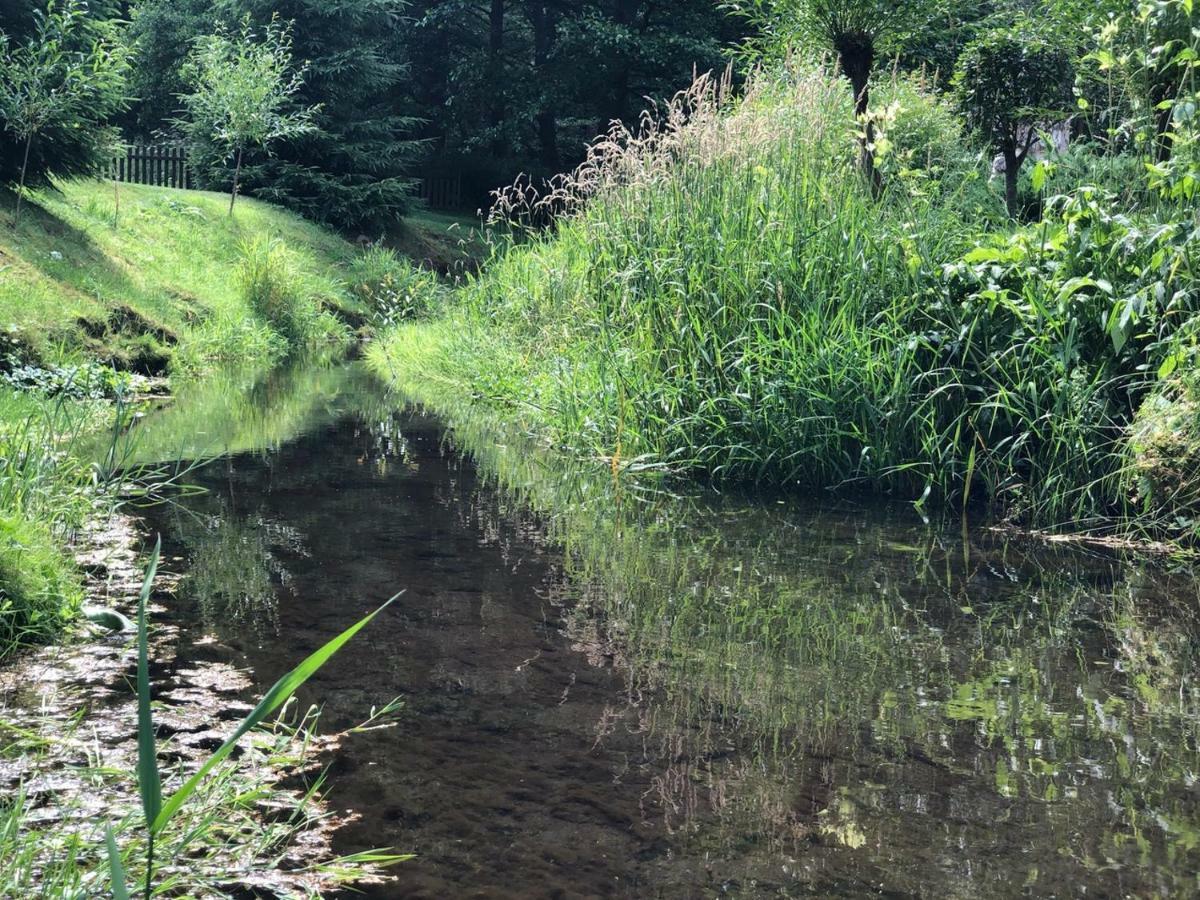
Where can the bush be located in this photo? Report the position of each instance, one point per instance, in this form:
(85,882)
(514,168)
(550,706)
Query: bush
(1163,474)
(39,588)
(723,296)
(391,289)
(921,137)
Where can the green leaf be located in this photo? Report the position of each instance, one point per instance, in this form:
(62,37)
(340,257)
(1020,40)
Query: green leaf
(272,700)
(1169,365)
(983,254)
(116,870)
(1038,176)
(149,783)
(1074,285)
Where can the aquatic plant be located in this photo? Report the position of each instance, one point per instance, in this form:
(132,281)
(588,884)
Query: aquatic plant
(157,811)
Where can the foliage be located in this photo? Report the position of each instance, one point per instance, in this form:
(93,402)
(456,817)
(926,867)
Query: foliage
(275,291)
(1012,82)
(68,76)
(76,287)
(158,812)
(1164,454)
(390,288)
(242,93)
(920,138)
(1142,75)
(724,297)
(39,588)
(352,169)
(161,35)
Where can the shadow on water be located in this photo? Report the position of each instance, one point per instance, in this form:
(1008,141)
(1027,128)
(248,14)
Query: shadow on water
(611,690)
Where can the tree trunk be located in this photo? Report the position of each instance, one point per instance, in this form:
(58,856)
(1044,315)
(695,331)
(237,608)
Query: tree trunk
(857,56)
(1012,169)
(237,171)
(21,185)
(496,76)
(542,19)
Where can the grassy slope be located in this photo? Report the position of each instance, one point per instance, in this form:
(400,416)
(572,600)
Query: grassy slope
(153,289)
(70,275)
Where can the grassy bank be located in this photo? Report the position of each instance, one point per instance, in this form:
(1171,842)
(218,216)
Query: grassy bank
(723,296)
(150,279)
(104,286)
(105,293)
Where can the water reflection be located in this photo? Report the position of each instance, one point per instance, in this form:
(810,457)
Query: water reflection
(616,690)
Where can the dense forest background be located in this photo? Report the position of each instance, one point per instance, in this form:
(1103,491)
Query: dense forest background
(482,89)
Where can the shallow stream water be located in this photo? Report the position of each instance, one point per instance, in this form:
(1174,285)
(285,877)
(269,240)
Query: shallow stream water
(613,690)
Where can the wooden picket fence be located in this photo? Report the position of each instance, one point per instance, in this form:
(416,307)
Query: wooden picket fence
(166,165)
(442,192)
(159,165)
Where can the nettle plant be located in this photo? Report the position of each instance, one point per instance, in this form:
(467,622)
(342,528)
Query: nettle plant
(243,90)
(1011,82)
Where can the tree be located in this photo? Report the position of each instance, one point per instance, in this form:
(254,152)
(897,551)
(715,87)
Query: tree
(521,86)
(242,90)
(1010,81)
(162,33)
(855,31)
(351,170)
(67,75)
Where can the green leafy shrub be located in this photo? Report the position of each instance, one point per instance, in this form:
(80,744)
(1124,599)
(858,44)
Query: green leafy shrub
(390,288)
(39,588)
(921,140)
(1010,81)
(1163,474)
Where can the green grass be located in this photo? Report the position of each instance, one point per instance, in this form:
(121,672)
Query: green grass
(79,278)
(723,297)
(98,277)
(449,243)
(241,827)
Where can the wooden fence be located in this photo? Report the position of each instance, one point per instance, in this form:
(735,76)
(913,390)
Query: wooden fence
(166,165)
(442,192)
(160,165)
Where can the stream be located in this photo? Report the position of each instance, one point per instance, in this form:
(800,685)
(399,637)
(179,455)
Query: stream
(613,689)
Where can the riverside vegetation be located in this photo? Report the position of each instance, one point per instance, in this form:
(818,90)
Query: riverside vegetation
(110,295)
(724,294)
(769,280)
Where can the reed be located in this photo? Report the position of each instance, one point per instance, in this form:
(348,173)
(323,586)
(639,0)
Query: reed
(157,811)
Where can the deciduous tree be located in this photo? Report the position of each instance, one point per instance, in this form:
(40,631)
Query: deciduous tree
(68,75)
(242,92)
(1011,81)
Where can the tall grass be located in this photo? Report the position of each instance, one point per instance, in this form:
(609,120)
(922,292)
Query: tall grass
(46,491)
(721,294)
(276,289)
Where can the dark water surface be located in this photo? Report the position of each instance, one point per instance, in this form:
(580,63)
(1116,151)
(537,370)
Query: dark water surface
(610,691)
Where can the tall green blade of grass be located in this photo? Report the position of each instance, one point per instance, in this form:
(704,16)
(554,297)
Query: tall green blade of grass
(149,783)
(274,698)
(115,868)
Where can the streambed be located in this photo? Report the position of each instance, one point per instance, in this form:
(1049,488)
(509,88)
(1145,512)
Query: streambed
(613,690)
